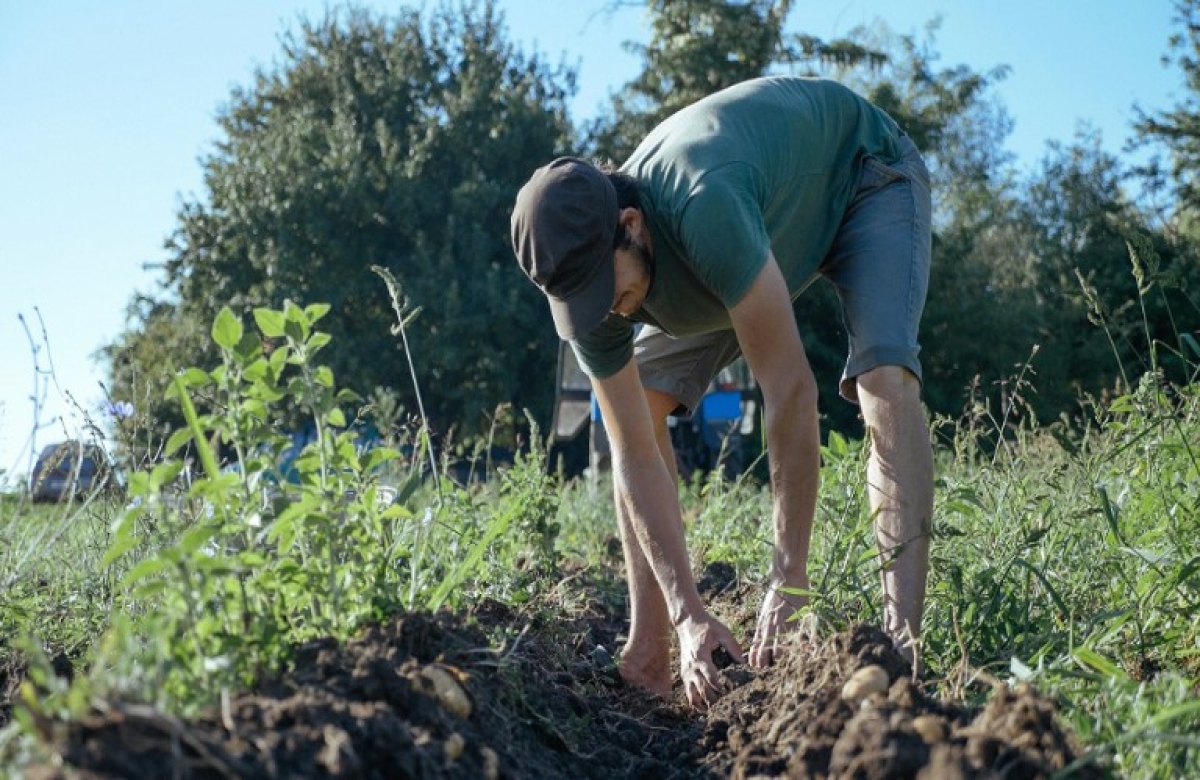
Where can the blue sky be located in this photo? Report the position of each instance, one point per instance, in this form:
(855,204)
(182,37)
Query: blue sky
(106,108)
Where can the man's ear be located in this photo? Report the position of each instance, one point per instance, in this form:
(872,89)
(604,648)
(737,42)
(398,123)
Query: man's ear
(632,219)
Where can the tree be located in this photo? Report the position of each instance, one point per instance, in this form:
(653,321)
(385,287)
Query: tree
(1177,130)
(1098,320)
(697,47)
(398,142)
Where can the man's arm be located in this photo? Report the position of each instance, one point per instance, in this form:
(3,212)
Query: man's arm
(770,341)
(644,484)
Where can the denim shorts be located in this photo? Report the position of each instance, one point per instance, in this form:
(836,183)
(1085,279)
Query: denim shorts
(879,266)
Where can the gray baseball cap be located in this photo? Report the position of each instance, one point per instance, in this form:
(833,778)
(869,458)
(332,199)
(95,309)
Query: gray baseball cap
(563,225)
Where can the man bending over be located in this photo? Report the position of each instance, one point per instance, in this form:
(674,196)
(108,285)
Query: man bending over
(723,215)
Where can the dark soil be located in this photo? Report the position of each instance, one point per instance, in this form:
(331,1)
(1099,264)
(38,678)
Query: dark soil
(501,693)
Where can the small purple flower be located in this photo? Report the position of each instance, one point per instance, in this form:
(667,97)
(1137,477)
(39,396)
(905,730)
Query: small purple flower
(121,409)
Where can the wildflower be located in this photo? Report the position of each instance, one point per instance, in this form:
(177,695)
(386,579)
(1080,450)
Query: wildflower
(121,409)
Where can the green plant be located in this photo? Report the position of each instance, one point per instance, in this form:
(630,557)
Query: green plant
(257,552)
(278,516)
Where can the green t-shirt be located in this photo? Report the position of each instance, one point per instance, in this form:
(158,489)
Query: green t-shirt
(768,165)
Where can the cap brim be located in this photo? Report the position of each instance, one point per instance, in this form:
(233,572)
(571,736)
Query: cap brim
(588,307)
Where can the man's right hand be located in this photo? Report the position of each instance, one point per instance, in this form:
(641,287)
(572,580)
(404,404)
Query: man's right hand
(699,638)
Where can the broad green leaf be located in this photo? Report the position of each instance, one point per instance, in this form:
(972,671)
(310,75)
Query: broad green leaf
(192,377)
(195,537)
(251,559)
(279,358)
(1122,403)
(317,341)
(149,589)
(295,325)
(121,545)
(270,322)
(165,473)
(379,456)
(140,484)
(207,459)
(178,439)
(248,347)
(316,311)
(257,371)
(227,329)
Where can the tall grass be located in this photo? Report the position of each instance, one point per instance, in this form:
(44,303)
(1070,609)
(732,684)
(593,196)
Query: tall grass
(52,583)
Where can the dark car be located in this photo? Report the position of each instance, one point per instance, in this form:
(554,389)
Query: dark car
(68,470)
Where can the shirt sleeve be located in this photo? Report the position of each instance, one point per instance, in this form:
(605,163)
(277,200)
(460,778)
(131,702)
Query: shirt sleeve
(724,236)
(606,349)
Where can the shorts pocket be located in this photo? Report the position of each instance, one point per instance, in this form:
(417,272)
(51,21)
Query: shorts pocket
(876,175)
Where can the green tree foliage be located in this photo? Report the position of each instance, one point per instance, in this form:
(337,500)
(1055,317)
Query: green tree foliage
(398,142)
(1080,223)
(1097,260)
(696,47)
(1177,130)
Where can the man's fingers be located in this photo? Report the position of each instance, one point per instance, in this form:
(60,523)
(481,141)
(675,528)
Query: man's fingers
(735,649)
(766,649)
(762,655)
(710,678)
(702,685)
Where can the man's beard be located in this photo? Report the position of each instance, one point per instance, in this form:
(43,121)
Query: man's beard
(647,257)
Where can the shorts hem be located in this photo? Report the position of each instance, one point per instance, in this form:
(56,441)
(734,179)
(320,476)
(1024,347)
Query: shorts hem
(687,397)
(873,358)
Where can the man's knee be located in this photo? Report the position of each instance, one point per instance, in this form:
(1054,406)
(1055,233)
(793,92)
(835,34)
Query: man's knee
(888,384)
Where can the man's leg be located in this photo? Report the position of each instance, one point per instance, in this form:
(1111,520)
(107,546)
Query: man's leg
(900,488)
(646,657)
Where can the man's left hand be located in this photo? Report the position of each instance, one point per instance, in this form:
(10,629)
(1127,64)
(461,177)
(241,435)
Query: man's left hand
(773,625)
